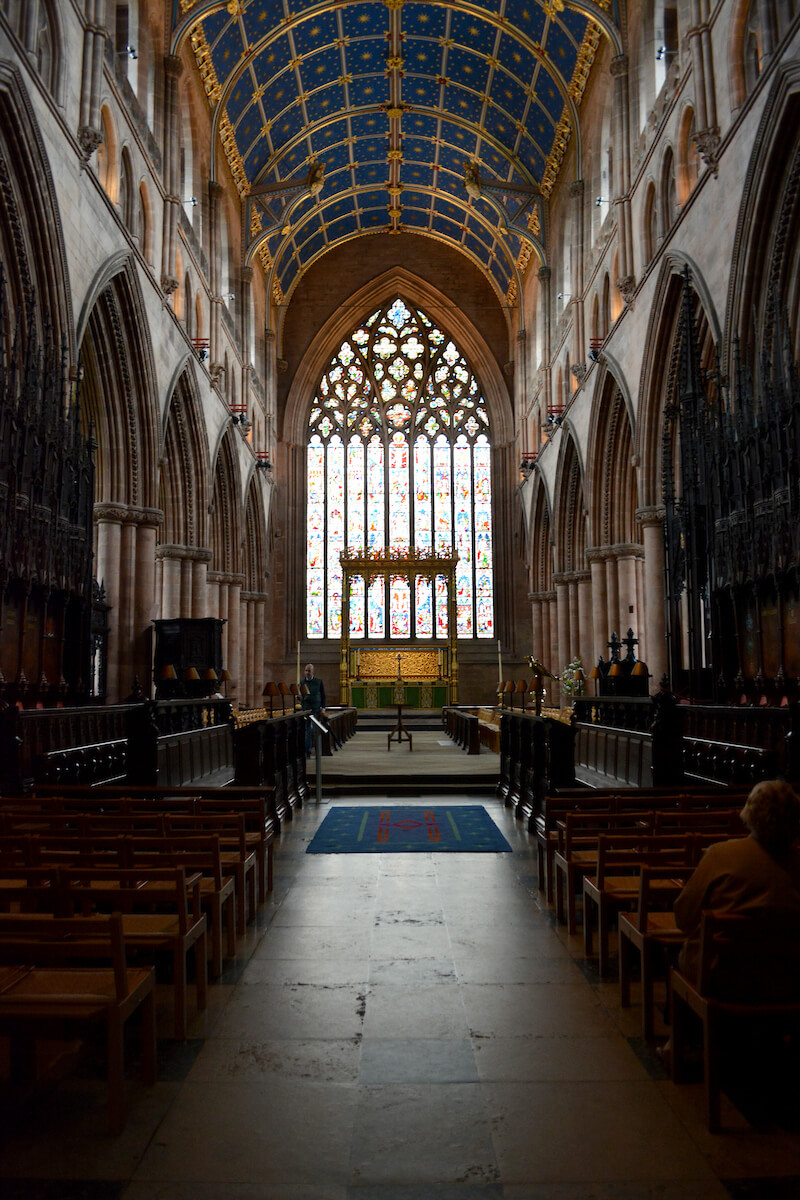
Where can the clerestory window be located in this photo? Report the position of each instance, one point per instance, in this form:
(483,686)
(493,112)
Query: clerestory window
(399,461)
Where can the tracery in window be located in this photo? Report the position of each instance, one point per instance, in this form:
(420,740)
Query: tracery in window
(399,460)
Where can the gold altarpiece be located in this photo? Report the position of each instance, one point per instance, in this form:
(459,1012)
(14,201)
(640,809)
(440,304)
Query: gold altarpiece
(421,673)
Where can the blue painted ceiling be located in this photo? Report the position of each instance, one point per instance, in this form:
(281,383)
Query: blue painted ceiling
(394,99)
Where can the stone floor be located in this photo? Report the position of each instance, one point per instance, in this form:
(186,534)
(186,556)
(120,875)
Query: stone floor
(399,1027)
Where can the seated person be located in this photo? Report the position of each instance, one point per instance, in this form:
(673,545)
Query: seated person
(746,876)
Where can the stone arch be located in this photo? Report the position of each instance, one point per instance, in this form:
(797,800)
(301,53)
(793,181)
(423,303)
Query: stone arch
(441,309)
(31,233)
(185,466)
(611,483)
(766,257)
(127,191)
(668,191)
(119,391)
(569,507)
(659,364)
(47,50)
(225,526)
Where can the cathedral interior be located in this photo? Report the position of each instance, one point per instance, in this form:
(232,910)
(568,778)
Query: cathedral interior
(439,344)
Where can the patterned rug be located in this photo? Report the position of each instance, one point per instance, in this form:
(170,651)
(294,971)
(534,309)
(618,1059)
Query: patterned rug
(402,829)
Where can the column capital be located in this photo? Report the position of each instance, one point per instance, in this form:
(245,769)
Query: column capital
(544,273)
(652,515)
(577,188)
(521,336)
(619,65)
(215,189)
(246,274)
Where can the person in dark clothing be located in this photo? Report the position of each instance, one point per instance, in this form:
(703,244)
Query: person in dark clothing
(313,700)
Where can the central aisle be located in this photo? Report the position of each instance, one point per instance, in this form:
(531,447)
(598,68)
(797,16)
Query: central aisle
(411,1027)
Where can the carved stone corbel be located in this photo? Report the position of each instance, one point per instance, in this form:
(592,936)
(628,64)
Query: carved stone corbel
(707,142)
(89,140)
(627,288)
(169,284)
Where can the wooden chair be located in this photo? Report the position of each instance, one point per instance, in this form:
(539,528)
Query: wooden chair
(217,890)
(651,929)
(238,853)
(748,970)
(42,993)
(614,885)
(576,854)
(164,915)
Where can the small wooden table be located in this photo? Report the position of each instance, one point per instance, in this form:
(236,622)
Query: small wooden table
(399,734)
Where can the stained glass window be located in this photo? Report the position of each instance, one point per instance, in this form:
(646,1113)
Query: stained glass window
(399,458)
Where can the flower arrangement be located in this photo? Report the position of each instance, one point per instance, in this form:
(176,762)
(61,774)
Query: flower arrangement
(573,679)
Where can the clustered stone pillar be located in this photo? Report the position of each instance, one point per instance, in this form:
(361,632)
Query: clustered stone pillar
(520,392)
(654,650)
(125,566)
(183,590)
(225,588)
(622,200)
(707,135)
(172,169)
(577,191)
(252,648)
(90,133)
(545,308)
(215,200)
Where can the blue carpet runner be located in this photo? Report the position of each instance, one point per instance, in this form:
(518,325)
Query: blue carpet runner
(402,829)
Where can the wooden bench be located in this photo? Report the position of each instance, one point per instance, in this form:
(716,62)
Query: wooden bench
(42,994)
(748,970)
(160,912)
(651,930)
(489,727)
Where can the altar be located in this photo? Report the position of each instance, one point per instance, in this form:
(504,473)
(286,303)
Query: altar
(415,672)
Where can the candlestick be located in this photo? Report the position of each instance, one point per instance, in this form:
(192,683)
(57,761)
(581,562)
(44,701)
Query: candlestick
(499,663)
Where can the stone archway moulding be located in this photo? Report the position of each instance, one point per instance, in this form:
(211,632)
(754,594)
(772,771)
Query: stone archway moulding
(441,309)
(658,340)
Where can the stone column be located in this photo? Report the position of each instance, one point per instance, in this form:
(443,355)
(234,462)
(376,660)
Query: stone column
(215,217)
(90,133)
(577,192)
(561,655)
(574,620)
(600,616)
(628,595)
(199,590)
(585,641)
(652,522)
(612,591)
(537,639)
(145,607)
(545,309)
(171,582)
(622,157)
(238,665)
(246,281)
(707,135)
(171,174)
(108,518)
(257,679)
(186,585)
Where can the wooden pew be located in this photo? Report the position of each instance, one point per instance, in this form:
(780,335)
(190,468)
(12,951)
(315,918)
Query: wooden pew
(42,994)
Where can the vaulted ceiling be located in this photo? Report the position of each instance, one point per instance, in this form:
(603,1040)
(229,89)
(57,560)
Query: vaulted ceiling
(343,119)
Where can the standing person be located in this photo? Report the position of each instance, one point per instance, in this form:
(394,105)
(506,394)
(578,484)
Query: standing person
(313,700)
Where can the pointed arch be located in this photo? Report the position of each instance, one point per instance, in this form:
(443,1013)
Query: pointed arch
(31,232)
(119,391)
(570,506)
(226,510)
(185,467)
(440,308)
(766,258)
(612,488)
(659,365)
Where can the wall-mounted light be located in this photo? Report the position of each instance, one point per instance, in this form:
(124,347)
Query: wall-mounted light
(599,202)
(230,296)
(564,296)
(192,200)
(131,52)
(661,53)
(263,464)
(202,354)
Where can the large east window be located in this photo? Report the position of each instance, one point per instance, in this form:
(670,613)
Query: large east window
(399,461)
